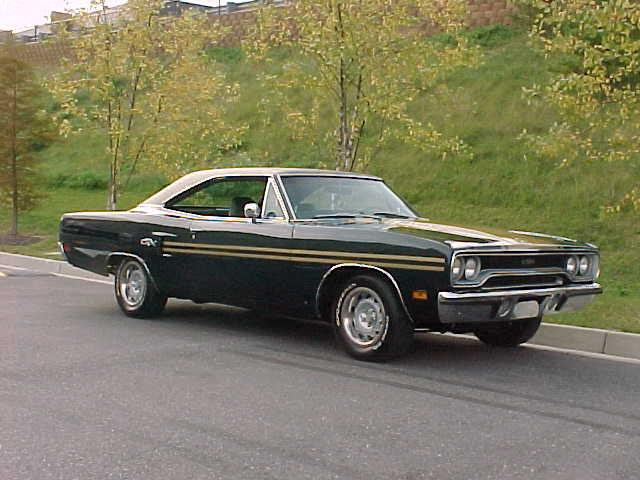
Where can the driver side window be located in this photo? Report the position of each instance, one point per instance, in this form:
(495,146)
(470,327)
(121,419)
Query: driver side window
(225,197)
(271,207)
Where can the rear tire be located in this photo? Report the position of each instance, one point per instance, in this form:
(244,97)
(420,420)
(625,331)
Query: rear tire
(369,320)
(136,294)
(510,334)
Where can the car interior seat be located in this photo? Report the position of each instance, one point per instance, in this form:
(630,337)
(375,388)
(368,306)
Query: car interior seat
(237,206)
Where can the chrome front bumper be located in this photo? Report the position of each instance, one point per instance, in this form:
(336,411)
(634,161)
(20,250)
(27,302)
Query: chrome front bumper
(513,304)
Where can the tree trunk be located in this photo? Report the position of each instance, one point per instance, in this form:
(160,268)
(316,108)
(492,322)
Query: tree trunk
(14,160)
(343,160)
(14,194)
(112,199)
(344,155)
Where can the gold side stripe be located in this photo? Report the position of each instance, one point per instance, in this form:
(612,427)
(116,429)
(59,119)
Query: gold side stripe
(308,252)
(328,261)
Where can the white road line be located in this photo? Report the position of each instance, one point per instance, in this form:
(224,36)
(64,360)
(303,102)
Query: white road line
(63,275)
(600,356)
(74,277)
(11,267)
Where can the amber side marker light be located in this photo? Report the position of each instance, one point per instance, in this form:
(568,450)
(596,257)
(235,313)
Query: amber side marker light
(421,295)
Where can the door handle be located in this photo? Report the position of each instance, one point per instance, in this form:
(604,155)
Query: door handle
(194,232)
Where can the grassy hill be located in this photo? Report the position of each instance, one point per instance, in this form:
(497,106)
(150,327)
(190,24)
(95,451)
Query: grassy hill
(505,184)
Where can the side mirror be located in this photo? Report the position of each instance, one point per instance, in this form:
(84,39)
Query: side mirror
(252,211)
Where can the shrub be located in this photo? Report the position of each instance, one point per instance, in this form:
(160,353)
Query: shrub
(82,181)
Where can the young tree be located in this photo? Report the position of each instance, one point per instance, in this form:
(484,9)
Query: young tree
(23,129)
(361,64)
(125,79)
(598,95)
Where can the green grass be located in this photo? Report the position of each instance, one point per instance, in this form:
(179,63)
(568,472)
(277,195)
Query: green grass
(505,185)
(43,221)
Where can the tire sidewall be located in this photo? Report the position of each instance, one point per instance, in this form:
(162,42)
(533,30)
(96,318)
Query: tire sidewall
(152,303)
(393,340)
(121,301)
(519,332)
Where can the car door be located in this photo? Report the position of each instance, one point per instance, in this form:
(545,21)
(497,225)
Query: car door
(234,259)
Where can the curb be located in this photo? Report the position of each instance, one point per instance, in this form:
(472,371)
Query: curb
(45,265)
(591,340)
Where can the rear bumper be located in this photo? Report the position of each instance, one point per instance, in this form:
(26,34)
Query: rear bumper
(509,305)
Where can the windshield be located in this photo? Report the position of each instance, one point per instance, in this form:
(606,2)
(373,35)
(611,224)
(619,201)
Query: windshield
(325,197)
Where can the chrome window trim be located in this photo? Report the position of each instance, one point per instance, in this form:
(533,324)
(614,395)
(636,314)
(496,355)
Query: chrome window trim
(285,196)
(202,182)
(194,216)
(293,216)
(273,183)
(264,201)
(370,267)
(488,274)
(362,176)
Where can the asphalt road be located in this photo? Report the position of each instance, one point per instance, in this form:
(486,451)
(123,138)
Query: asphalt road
(211,392)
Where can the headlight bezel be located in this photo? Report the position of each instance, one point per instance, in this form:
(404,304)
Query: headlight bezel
(595,266)
(584,265)
(458,270)
(572,265)
(475,273)
(459,265)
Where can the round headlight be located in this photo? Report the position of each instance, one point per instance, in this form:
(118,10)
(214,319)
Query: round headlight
(572,265)
(472,268)
(585,265)
(457,269)
(595,266)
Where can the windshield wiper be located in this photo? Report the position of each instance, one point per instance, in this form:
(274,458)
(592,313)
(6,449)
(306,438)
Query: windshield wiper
(391,215)
(346,215)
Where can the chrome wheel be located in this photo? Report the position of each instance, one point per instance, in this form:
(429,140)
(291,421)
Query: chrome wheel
(132,284)
(362,316)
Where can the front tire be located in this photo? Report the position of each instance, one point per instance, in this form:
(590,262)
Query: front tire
(369,320)
(510,334)
(135,292)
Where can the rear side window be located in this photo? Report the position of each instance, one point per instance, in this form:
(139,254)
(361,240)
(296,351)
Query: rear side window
(224,197)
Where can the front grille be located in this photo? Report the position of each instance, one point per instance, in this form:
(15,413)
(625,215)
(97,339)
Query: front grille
(529,281)
(525,269)
(506,262)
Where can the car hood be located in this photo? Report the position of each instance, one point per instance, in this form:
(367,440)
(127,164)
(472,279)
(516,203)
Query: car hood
(461,237)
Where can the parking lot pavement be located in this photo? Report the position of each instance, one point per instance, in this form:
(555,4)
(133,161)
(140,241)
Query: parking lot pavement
(214,392)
